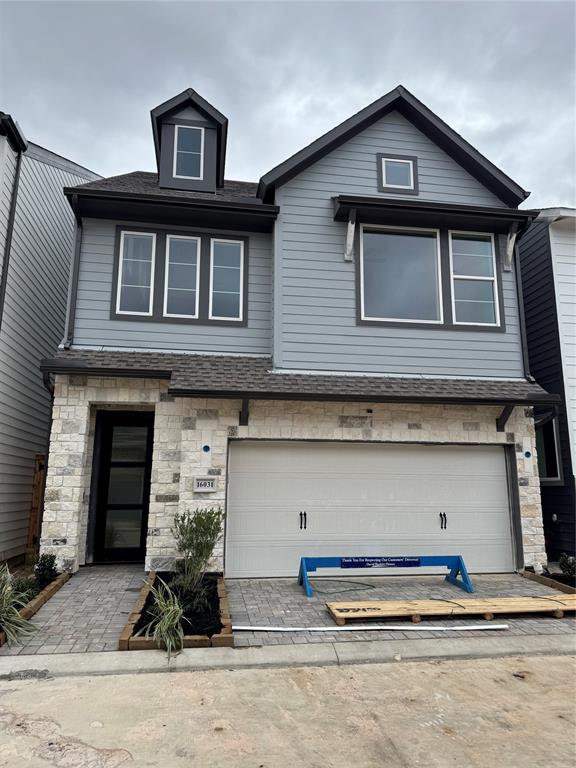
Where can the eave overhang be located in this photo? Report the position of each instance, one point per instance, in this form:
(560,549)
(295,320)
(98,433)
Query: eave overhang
(377,210)
(10,128)
(160,209)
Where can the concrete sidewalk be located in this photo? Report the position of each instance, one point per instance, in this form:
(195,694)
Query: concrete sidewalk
(321,654)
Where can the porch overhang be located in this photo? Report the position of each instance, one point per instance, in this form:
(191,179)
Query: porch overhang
(478,218)
(253,378)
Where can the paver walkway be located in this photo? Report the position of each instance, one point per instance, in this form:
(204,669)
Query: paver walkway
(281,602)
(87,614)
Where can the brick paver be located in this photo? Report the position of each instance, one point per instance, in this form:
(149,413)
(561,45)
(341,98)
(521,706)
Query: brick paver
(87,614)
(281,602)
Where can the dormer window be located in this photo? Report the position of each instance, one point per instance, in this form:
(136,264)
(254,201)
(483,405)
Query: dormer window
(397,173)
(188,152)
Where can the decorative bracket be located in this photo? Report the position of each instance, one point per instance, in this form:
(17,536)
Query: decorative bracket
(350,230)
(245,413)
(510,245)
(502,420)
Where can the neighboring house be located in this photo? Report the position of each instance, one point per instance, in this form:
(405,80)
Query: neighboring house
(335,355)
(36,231)
(548,261)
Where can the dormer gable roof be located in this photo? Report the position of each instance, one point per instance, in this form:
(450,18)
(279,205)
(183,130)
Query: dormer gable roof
(401,100)
(189,97)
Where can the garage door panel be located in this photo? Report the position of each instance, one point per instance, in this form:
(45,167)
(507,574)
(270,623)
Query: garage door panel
(364,499)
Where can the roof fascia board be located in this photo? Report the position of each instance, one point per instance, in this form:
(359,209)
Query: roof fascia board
(10,128)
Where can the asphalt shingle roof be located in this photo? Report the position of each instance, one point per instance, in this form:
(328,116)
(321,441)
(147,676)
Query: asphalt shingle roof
(205,375)
(146,183)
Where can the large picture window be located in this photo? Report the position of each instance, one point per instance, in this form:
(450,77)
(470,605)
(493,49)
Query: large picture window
(226,279)
(401,275)
(181,277)
(474,288)
(136,273)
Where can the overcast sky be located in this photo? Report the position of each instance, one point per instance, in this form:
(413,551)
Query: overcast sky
(81,77)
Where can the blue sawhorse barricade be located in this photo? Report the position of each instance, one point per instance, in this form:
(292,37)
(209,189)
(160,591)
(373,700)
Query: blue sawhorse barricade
(455,564)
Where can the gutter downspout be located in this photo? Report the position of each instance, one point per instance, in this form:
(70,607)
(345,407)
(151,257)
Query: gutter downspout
(66,342)
(9,233)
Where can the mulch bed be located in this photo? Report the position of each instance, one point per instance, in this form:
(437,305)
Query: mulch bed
(558,581)
(202,629)
(37,602)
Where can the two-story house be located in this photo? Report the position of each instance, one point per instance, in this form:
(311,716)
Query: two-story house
(36,234)
(548,259)
(335,355)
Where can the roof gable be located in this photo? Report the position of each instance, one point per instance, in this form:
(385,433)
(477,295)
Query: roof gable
(192,100)
(425,120)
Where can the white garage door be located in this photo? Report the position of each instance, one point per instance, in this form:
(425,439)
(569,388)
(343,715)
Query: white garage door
(364,499)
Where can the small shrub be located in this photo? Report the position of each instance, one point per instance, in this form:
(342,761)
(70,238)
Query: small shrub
(166,626)
(196,534)
(45,570)
(567,564)
(11,622)
(26,586)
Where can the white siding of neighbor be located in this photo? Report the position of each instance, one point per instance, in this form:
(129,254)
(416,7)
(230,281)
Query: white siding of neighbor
(563,245)
(94,328)
(315,289)
(32,327)
(7,170)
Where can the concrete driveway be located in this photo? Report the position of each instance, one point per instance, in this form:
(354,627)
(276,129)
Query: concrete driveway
(513,712)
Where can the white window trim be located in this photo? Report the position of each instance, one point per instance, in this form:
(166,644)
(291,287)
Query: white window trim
(493,280)
(238,319)
(436,233)
(121,271)
(175,158)
(169,238)
(397,160)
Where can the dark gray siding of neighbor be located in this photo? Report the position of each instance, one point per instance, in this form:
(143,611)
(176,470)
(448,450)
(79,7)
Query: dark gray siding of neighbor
(315,289)
(546,367)
(32,327)
(94,328)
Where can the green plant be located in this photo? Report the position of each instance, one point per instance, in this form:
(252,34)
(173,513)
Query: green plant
(567,564)
(12,623)
(196,534)
(26,586)
(166,625)
(45,570)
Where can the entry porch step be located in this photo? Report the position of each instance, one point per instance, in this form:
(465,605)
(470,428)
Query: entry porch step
(416,609)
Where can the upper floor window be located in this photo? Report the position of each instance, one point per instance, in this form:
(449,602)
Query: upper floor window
(182,276)
(397,173)
(188,152)
(135,289)
(400,275)
(226,278)
(473,270)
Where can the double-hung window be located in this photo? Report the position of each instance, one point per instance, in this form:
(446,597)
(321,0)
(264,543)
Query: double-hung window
(135,291)
(226,279)
(474,287)
(181,276)
(188,152)
(400,275)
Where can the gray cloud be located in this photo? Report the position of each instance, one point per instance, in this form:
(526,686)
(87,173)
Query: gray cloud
(82,77)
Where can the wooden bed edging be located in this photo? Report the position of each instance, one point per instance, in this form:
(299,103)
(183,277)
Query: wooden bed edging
(129,642)
(37,602)
(548,582)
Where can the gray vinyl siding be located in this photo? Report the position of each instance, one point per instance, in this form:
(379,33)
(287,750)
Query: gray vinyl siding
(32,327)
(94,328)
(315,324)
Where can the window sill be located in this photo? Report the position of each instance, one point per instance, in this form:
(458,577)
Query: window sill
(435,326)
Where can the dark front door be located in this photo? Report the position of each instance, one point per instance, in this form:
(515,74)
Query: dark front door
(123,490)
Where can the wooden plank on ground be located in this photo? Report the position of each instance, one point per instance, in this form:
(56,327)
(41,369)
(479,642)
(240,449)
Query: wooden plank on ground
(557,605)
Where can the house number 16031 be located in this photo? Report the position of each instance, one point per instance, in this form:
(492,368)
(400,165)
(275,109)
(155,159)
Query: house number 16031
(205,484)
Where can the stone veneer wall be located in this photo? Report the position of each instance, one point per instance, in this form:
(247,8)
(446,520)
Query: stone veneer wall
(184,425)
